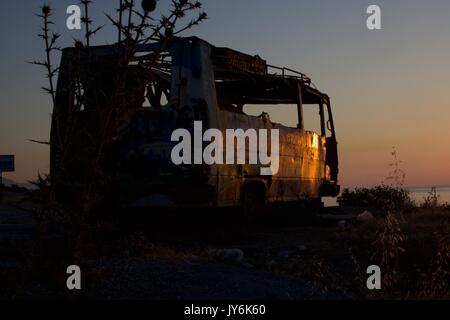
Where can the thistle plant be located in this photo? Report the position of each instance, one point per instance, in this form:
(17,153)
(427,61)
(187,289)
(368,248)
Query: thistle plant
(50,39)
(135,26)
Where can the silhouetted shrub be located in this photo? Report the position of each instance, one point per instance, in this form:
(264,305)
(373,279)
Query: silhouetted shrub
(384,197)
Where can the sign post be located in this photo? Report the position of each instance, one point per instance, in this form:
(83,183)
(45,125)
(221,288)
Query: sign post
(6,165)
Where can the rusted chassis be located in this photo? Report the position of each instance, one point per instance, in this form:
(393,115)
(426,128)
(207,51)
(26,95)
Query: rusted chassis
(203,83)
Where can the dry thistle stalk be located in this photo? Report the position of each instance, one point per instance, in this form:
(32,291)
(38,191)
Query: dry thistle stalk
(50,38)
(108,109)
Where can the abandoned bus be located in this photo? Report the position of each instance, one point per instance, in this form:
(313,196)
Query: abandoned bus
(172,86)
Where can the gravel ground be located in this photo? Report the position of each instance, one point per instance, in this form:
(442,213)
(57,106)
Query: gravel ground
(150,278)
(153,280)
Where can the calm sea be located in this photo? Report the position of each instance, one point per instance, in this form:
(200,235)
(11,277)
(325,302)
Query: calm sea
(417,194)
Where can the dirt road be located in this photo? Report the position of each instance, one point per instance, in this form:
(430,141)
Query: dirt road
(190,259)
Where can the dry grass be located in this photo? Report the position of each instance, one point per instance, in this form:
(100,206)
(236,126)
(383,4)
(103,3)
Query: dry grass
(138,245)
(412,250)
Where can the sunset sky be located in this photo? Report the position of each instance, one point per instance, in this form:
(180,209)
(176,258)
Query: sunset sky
(388,87)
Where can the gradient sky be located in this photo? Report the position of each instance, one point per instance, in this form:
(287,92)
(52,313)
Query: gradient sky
(388,87)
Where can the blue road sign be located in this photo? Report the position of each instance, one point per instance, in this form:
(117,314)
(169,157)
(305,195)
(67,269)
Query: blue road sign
(7,163)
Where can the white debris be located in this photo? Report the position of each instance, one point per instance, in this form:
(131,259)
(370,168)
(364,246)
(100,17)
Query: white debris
(366,216)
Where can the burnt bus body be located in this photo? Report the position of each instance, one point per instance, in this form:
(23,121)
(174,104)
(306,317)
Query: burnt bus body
(195,81)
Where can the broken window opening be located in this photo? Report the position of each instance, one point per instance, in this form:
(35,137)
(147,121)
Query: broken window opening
(158,74)
(284,114)
(312,119)
(257,95)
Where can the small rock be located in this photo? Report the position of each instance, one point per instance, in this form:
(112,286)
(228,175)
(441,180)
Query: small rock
(194,259)
(271,264)
(366,216)
(247,265)
(227,255)
(301,248)
(284,254)
(342,223)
